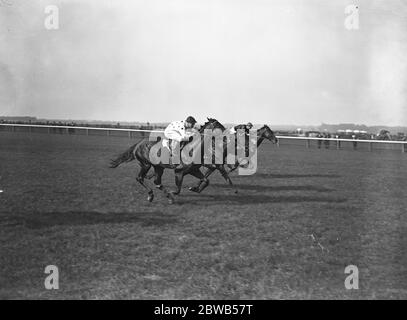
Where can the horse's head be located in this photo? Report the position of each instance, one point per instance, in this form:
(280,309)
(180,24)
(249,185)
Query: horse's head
(212,124)
(266,132)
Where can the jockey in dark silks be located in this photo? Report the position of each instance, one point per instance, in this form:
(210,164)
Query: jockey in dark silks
(246,127)
(242,129)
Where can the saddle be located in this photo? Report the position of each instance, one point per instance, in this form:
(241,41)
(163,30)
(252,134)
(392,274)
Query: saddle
(167,143)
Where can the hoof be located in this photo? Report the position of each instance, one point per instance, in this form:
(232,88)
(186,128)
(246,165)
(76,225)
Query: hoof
(193,189)
(236,192)
(170,197)
(150,197)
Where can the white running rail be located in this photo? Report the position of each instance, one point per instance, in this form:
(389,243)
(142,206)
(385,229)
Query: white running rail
(403,144)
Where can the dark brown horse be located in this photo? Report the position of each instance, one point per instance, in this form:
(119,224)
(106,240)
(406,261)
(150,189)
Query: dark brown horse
(141,152)
(263,133)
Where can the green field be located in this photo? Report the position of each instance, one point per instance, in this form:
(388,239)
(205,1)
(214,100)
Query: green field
(289,233)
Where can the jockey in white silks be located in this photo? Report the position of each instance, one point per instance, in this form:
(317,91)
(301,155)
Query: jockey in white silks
(178,131)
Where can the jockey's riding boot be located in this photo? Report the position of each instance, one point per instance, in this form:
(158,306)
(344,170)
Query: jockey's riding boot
(175,153)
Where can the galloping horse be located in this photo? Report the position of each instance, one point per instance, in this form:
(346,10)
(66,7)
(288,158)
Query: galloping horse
(141,152)
(263,133)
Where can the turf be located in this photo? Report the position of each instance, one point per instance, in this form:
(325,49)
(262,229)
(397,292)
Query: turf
(288,234)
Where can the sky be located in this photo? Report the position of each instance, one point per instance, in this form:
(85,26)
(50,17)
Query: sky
(275,61)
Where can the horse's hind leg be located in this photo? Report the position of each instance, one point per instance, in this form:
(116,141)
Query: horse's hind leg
(158,173)
(179,177)
(140,178)
(233,167)
(151,174)
(204,182)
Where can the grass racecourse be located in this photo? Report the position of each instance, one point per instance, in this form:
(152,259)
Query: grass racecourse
(289,233)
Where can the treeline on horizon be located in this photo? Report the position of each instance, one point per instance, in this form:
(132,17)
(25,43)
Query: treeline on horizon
(82,123)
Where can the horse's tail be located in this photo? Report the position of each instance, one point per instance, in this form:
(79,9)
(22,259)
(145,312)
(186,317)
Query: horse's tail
(126,156)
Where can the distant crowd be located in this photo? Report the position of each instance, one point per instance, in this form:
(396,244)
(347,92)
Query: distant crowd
(382,135)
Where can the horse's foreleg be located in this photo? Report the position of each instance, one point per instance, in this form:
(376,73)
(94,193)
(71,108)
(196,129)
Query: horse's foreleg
(225,175)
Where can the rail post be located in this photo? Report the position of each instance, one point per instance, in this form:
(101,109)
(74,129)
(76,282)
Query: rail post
(307,143)
(370,146)
(338,144)
(129,132)
(404,147)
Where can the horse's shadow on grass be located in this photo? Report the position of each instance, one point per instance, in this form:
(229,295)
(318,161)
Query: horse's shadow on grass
(40,220)
(246,199)
(290,176)
(273,188)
